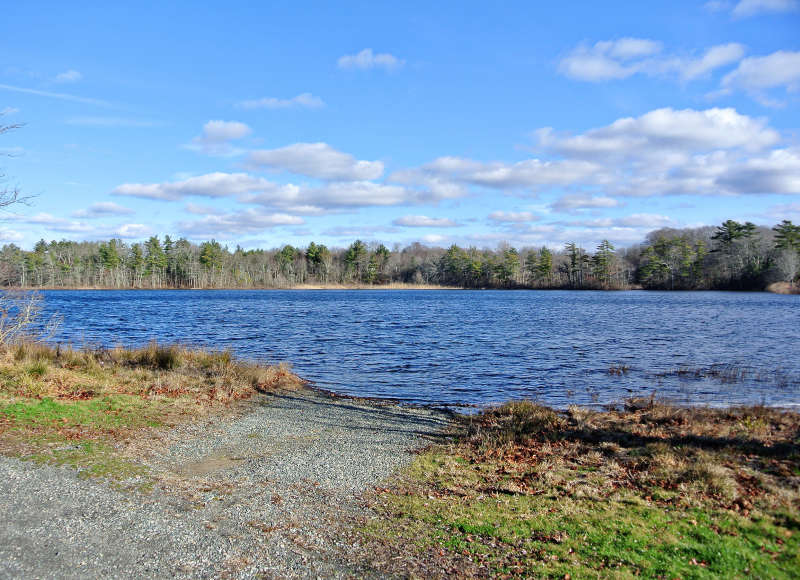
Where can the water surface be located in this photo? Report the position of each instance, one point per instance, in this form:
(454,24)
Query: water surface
(476,347)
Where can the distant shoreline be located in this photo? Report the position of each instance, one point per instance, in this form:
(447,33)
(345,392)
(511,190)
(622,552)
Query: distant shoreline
(777,288)
(297,287)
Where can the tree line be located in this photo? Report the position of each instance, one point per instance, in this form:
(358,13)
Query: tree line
(732,256)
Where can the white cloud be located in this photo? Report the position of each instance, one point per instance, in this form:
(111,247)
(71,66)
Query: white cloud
(355,194)
(756,74)
(358,232)
(605,60)
(662,152)
(69,76)
(714,58)
(9,111)
(318,160)
(432,187)
(533,173)
(628,48)
(682,131)
(366,59)
(623,58)
(512,217)
(82,230)
(422,221)
(746,8)
(217,136)
(210,185)
(11,235)
(198,209)
(219,131)
(778,172)
(236,223)
(54,223)
(572,202)
(530,173)
(299,199)
(306,209)
(132,231)
(433,238)
(620,59)
(303,100)
(637,220)
(102,209)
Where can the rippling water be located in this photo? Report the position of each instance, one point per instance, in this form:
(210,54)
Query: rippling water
(476,347)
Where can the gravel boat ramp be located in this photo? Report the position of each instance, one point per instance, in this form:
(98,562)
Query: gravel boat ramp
(270,493)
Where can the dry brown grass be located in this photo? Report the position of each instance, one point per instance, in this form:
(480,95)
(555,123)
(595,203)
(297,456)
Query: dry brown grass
(734,458)
(100,409)
(207,377)
(655,491)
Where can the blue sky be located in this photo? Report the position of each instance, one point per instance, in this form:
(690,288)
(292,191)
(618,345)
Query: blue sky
(466,122)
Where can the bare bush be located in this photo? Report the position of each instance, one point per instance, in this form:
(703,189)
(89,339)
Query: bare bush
(21,318)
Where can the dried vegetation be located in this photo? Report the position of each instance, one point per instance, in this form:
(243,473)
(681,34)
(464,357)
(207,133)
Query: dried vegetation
(651,490)
(55,394)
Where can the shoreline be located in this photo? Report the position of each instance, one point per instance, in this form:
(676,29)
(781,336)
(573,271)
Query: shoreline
(619,406)
(782,289)
(361,479)
(300,287)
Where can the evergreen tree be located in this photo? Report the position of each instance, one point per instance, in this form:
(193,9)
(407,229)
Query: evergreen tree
(156,261)
(211,255)
(506,269)
(356,259)
(787,236)
(729,232)
(603,262)
(544,266)
(136,264)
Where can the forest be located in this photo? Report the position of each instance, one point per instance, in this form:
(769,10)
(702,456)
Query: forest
(731,256)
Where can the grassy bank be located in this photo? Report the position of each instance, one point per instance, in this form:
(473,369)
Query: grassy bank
(654,491)
(77,407)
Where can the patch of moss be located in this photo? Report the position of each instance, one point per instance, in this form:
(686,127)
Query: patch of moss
(89,458)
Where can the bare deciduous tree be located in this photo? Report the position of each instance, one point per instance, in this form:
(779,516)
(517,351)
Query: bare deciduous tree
(21,312)
(787,263)
(9,196)
(21,318)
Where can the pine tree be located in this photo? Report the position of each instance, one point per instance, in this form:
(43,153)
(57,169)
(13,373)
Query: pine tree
(544,266)
(787,236)
(603,261)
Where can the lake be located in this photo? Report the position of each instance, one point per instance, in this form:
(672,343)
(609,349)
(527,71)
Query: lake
(475,347)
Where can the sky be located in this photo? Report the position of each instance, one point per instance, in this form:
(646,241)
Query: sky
(262,124)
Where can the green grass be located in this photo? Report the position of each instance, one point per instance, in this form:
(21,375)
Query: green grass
(78,407)
(658,493)
(550,535)
(79,434)
(104,413)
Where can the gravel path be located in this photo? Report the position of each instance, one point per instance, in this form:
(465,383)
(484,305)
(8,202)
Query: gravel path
(269,494)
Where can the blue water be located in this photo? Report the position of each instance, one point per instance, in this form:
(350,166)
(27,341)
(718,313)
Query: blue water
(475,347)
